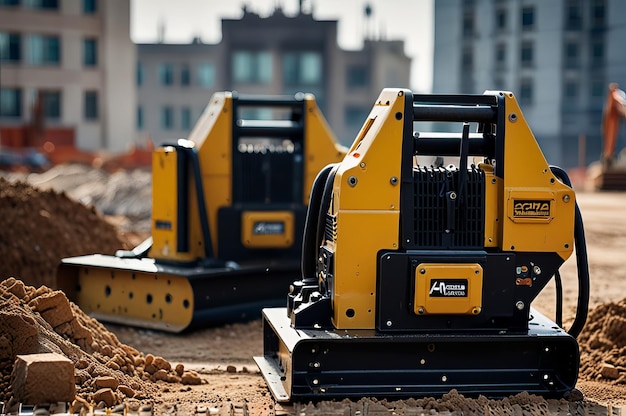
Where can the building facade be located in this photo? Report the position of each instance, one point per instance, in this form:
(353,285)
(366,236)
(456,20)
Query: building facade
(69,66)
(274,55)
(556,56)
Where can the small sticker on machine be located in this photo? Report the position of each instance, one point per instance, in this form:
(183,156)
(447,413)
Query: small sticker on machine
(268,228)
(448,288)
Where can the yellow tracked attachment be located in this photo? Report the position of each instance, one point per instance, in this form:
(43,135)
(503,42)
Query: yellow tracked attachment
(228,209)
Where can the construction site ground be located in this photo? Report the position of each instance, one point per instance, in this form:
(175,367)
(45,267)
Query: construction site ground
(223,378)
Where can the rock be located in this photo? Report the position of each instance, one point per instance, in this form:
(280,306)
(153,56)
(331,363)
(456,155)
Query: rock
(126,391)
(43,378)
(18,333)
(180,369)
(231,369)
(106,381)
(15,287)
(162,364)
(191,378)
(609,371)
(160,375)
(54,308)
(105,395)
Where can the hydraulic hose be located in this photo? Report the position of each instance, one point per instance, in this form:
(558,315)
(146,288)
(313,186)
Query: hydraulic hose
(559,299)
(581,262)
(310,242)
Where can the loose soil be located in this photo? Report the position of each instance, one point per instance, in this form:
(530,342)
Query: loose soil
(219,359)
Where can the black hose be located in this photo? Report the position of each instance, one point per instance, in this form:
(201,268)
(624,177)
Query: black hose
(310,243)
(581,262)
(559,299)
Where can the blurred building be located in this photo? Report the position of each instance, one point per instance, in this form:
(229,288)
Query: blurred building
(278,54)
(67,73)
(557,57)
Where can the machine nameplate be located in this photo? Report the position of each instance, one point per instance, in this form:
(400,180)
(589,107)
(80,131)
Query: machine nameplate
(537,208)
(448,288)
(268,228)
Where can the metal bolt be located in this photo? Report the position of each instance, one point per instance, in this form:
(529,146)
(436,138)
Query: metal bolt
(519,305)
(389,323)
(422,271)
(512,117)
(566,198)
(537,270)
(316,381)
(352,181)
(362,165)
(420,310)
(394,180)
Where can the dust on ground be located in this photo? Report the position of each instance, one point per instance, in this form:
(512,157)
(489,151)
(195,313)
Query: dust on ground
(221,357)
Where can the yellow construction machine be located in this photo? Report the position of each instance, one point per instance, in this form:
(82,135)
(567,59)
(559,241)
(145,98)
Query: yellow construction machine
(417,279)
(228,211)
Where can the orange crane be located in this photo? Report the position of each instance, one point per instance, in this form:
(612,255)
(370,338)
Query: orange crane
(614,110)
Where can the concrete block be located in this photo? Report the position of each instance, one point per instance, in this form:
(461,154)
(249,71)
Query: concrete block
(43,378)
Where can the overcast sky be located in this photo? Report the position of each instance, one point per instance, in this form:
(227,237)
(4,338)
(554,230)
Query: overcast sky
(409,20)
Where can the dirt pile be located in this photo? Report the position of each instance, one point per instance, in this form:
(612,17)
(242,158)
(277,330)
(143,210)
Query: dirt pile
(603,344)
(43,320)
(451,403)
(39,228)
(124,193)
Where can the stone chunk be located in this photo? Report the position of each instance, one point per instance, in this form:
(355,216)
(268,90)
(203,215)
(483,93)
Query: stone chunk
(609,371)
(43,378)
(105,395)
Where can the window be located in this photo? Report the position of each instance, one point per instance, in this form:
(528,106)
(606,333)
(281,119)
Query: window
(500,55)
(139,74)
(167,118)
(468,23)
(572,55)
(310,68)
(526,54)
(252,67)
(42,4)
(139,118)
(597,50)
(500,20)
(302,68)
(91,105)
(185,77)
(597,87)
(573,17)
(206,75)
(10,47)
(42,50)
(355,118)
(166,74)
(526,91)
(185,118)
(90,6)
(528,18)
(10,102)
(357,76)
(598,13)
(467,59)
(571,89)
(51,104)
(90,52)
